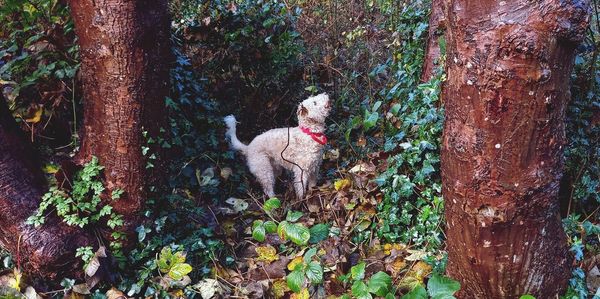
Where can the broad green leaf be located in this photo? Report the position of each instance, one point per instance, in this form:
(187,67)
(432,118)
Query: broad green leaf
(360,290)
(272,204)
(418,292)
(358,271)
(295,280)
(527,297)
(281,230)
(295,232)
(440,287)
(256,223)
(314,272)
(178,271)
(380,283)
(318,233)
(309,255)
(270,227)
(293,216)
(259,233)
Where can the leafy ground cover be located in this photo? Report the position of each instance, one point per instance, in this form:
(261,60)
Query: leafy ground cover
(373,228)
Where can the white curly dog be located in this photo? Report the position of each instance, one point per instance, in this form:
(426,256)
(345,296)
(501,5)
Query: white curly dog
(297,149)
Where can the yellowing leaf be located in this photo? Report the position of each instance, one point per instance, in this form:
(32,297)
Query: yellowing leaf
(296,261)
(415,276)
(266,253)
(50,168)
(177,294)
(15,282)
(302,295)
(341,184)
(37,116)
(421,270)
(280,288)
(397,265)
(387,248)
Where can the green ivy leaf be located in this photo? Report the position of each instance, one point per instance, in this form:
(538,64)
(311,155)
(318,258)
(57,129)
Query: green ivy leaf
(440,287)
(380,283)
(314,272)
(358,271)
(360,290)
(295,280)
(527,297)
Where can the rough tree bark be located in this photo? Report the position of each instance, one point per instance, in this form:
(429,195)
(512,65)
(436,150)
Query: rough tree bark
(509,64)
(433,52)
(125,53)
(46,251)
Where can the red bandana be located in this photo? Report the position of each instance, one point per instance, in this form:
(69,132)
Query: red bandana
(318,137)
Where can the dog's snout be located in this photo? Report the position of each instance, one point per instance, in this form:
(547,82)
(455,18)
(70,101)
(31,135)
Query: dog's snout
(328,104)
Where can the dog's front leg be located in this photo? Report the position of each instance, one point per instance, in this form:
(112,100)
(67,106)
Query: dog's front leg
(312,180)
(301,182)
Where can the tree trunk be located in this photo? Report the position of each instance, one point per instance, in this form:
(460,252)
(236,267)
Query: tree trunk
(433,52)
(125,54)
(47,251)
(509,65)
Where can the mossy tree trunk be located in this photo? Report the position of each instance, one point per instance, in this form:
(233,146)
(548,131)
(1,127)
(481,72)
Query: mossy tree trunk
(508,68)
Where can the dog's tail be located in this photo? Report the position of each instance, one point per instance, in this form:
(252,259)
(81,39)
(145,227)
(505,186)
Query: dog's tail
(236,144)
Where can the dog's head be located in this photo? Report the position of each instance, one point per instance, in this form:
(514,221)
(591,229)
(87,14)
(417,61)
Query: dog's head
(314,109)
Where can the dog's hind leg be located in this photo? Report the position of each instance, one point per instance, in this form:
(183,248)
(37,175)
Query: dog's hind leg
(261,168)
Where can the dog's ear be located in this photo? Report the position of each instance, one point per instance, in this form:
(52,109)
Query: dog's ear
(302,111)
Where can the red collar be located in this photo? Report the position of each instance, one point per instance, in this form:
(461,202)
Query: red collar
(318,137)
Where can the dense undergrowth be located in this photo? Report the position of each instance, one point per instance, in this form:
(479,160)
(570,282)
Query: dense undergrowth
(373,227)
